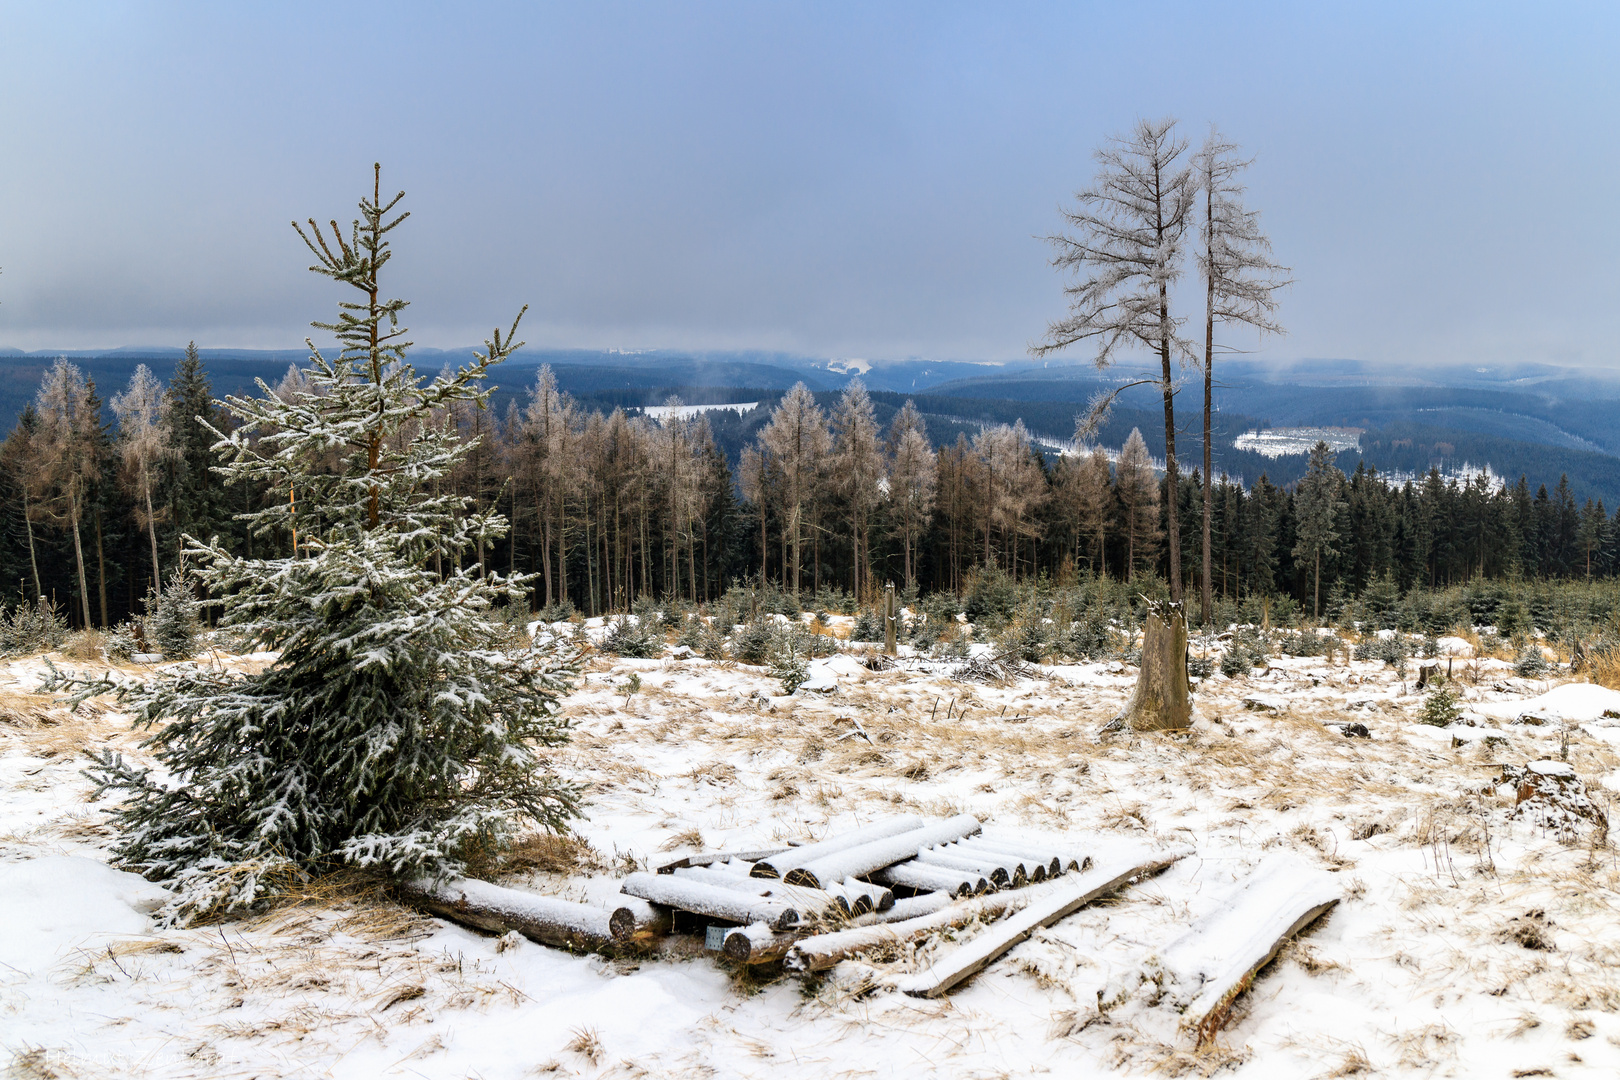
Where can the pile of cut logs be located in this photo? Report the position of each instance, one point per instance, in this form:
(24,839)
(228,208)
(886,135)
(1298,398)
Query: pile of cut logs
(890,883)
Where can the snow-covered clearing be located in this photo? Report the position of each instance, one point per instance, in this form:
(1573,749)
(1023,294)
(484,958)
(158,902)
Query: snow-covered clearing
(1467,943)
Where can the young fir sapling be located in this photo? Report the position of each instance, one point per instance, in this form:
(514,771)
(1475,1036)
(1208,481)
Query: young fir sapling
(400,729)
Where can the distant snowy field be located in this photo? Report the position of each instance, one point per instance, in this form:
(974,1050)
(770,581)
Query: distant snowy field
(1468,943)
(1287,442)
(681,412)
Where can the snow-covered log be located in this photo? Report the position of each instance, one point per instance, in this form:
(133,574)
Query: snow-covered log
(867,858)
(821,951)
(1003,873)
(1058,900)
(1205,969)
(1052,862)
(875,897)
(715,901)
(799,897)
(779,864)
(545,919)
(757,943)
(908,908)
(721,858)
(914,875)
(1034,869)
(1073,855)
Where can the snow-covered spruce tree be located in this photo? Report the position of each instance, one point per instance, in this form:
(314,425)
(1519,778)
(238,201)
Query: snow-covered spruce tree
(395,731)
(171,618)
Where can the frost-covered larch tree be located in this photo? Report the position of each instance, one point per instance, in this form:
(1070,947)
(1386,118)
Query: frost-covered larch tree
(145,443)
(398,729)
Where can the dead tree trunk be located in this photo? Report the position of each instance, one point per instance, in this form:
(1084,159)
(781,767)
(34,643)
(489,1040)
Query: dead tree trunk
(1162,700)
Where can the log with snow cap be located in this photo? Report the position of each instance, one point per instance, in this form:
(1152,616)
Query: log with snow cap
(545,919)
(1069,851)
(909,907)
(1032,869)
(1054,862)
(867,858)
(1003,873)
(800,898)
(914,875)
(778,865)
(875,897)
(715,901)
(756,943)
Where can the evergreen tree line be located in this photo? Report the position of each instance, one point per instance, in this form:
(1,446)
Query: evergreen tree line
(608,508)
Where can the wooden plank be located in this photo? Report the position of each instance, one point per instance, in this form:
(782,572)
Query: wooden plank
(1207,1018)
(1207,967)
(1061,899)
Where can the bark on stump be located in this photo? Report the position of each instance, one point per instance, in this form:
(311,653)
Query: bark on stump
(1162,700)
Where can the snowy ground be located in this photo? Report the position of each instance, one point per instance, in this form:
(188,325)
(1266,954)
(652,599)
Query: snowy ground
(1467,944)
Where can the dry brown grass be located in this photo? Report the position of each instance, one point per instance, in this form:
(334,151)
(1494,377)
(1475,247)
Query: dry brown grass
(85,645)
(1604,669)
(587,1043)
(552,853)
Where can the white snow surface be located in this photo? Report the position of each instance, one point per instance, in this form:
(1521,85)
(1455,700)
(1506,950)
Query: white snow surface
(1415,972)
(1578,703)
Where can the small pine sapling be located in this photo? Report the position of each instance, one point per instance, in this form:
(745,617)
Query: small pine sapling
(171,618)
(399,729)
(1440,708)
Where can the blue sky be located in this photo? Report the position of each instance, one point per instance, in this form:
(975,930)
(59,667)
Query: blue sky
(862,180)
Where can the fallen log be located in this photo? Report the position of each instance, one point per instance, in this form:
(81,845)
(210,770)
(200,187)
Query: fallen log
(1033,869)
(711,858)
(1052,863)
(801,899)
(1053,903)
(546,919)
(701,898)
(1216,959)
(1003,873)
(867,858)
(777,865)
(876,897)
(821,951)
(756,943)
(914,875)
(908,908)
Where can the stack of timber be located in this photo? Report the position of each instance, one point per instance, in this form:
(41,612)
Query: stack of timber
(886,881)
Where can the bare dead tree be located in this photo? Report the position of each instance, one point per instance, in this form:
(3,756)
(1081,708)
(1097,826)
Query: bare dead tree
(796,440)
(145,443)
(1240,286)
(857,473)
(67,456)
(913,476)
(1126,251)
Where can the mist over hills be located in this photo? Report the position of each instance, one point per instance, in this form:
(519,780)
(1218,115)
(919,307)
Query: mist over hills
(1537,420)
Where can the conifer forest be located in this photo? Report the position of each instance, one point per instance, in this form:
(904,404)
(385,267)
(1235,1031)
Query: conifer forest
(612,509)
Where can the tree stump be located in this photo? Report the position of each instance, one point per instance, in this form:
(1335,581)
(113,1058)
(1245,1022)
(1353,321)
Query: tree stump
(1162,700)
